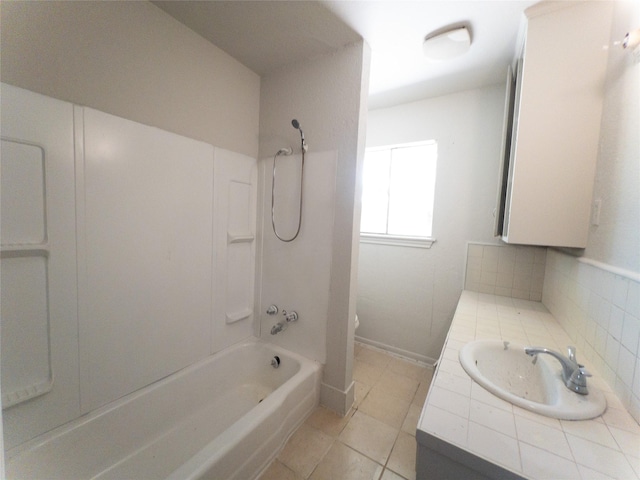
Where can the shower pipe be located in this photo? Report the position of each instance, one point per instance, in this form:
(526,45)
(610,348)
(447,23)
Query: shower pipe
(288,151)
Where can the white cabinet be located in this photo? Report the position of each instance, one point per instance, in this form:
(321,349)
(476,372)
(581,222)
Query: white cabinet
(556,124)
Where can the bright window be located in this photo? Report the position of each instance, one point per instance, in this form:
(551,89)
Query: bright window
(398,190)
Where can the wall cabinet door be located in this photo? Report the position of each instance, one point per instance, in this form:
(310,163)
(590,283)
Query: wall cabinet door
(557,124)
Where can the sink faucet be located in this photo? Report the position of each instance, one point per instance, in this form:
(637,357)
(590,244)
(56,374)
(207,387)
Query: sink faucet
(573,374)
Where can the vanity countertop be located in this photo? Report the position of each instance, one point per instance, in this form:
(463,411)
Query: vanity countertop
(466,423)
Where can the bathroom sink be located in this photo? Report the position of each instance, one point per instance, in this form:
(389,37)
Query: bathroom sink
(533,383)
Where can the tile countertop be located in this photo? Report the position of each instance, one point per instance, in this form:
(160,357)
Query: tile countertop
(463,421)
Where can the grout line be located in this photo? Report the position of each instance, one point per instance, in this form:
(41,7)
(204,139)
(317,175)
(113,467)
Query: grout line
(355,409)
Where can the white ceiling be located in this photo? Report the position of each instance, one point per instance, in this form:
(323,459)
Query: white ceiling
(267,34)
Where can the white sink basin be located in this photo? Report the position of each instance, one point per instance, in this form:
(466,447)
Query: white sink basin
(535,385)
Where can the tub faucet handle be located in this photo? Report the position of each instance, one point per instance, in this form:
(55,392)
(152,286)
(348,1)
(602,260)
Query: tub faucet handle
(272,310)
(290,317)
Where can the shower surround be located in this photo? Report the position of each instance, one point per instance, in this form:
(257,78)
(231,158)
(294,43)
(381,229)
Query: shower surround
(196,90)
(114,239)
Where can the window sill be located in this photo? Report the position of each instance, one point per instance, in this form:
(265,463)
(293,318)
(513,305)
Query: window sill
(398,241)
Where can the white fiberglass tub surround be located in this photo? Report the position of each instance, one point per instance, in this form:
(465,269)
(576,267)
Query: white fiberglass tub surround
(225,417)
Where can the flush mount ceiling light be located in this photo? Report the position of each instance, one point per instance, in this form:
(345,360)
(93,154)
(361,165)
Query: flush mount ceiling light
(450,43)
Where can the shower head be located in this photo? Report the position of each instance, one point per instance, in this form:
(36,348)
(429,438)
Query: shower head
(296,125)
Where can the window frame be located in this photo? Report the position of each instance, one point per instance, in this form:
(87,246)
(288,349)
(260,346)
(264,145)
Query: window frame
(401,240)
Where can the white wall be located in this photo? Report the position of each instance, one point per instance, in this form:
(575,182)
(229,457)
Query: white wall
(313,274)
(132,60)
(596,297)
(407,296)
(616,241)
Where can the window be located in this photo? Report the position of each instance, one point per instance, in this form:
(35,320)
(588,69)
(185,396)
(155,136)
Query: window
(397,194)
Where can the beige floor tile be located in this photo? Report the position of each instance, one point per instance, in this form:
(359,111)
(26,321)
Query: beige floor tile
(407,368)
(279,471)
(344,463)
(357,347)
(366,373)
(369,436)
(305,449)
(374,357)
(428,375)
(403,456)
(327,421)
(361,393)
(421,394)
(387,408)
(398,385)
(389,475)
(411,420)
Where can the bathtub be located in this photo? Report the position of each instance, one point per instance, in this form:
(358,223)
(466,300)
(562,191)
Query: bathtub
(225,417)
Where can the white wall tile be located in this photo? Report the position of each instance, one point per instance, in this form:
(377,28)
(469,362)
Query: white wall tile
(633,299)
(626,366)
(620,289)
(616,319)
(631,333)
(596,308)
(636,379)
(506,270)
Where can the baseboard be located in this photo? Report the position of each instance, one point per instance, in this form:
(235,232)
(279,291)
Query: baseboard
(428,361)
(337,400)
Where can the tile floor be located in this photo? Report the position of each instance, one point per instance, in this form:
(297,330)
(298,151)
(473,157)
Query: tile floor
(375,440)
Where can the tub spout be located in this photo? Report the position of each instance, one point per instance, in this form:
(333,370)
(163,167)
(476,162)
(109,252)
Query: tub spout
(278,327)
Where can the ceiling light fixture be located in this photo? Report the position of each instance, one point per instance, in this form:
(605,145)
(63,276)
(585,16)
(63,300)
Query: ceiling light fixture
(450,43)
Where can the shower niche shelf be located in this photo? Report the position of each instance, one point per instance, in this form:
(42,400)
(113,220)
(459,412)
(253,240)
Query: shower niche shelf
(24,260)
(238,316)
(235,187)
(247,238)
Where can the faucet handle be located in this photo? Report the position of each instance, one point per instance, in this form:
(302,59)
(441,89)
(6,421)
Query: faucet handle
(572,353)
(584,372)
(578,381)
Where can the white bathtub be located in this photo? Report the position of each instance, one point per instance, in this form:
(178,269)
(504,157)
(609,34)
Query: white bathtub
(223,418)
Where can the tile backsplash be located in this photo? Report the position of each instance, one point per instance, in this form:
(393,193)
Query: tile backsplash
(600,311)
(507,270)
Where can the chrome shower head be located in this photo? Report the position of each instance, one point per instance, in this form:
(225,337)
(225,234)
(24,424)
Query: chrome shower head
(296,125)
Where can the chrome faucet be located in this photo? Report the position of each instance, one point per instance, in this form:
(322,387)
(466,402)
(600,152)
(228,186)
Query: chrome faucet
(573,374)
(280,326)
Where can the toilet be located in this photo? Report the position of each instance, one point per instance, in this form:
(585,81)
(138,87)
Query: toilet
(357,322)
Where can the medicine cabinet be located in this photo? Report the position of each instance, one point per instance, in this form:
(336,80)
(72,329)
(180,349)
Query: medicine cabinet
(552,125)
